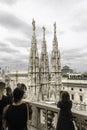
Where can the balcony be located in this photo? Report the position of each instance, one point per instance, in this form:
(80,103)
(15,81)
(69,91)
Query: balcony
(45,114)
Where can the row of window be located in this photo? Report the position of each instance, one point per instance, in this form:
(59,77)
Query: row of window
(72,95)
(73,89)
(79,89)
(80,97)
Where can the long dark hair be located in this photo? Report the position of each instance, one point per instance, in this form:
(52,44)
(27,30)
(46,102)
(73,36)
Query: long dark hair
(65,96)
(8,91)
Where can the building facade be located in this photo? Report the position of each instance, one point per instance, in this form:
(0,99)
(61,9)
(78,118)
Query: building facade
(75,84)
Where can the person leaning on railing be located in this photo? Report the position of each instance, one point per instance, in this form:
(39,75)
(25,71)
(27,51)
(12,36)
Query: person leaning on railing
(65,121)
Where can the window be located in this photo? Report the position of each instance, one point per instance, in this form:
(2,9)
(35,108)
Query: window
(71,88)
(72,96)
(81,98)
(80,89)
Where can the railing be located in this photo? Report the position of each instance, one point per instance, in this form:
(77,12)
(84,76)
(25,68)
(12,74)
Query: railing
(79,106)
(45,116)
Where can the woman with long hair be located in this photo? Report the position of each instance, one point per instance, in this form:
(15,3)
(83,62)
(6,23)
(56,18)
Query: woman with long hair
(65,121)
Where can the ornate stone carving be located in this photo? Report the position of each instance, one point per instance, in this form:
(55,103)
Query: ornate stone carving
(33,23)
(55,28)
(43,33)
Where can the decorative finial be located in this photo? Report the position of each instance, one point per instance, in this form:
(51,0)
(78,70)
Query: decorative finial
(43,32)
(54,28)
(33,23)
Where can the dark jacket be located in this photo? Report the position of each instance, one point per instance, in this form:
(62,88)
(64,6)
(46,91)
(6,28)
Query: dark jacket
(3,103)
(65,116)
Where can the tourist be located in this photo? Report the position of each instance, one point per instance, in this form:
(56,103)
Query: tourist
(8,99)
(65,121)
(24,88)
(16,115)
(18,85)
(3,101)
(9,95)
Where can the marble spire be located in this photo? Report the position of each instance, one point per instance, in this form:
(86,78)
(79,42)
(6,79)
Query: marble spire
(43,33)
(55,64)
(33,24)
(44,67)
(33,70)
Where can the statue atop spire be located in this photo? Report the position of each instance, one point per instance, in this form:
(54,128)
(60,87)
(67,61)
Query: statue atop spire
(43,32)
(55,28)
(33,23)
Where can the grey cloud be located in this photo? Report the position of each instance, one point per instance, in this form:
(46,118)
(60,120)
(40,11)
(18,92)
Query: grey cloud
(10,21)
(14,64)
(9,54)
(2,44)
(81,27)
(61,32)
(8,50)
(64,2)
(75,58)
(19,42)
(24,43)
(15,56)
(4,47)
(9,2)
(14,60)
(73,55)
(80,20)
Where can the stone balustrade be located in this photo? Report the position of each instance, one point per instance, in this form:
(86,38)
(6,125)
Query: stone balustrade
(45,116)
(79,106)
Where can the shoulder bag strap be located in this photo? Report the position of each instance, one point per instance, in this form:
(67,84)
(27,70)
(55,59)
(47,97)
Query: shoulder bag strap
(27,112)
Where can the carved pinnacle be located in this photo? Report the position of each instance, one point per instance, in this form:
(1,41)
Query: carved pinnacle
(33,23)
(43,32)
(54,28)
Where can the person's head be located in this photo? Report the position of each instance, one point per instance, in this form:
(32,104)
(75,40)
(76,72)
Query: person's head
(8,91)
(65,96)
(2,88)
(18,94)
(18,85)
(23,87)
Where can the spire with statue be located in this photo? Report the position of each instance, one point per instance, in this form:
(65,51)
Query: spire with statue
(33,24)
(44,68)
(55,67)
(33,67)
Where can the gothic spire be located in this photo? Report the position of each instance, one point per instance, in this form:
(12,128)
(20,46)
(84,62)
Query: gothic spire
(55,42)
(54,29)
(44,67)
(55,37)
(33,65)
(33,24)
(43,33)
(55,63)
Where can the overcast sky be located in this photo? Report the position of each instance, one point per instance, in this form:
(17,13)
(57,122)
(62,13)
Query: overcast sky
(16,30)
